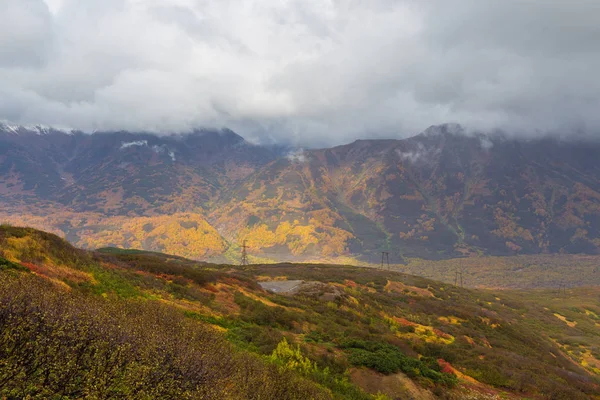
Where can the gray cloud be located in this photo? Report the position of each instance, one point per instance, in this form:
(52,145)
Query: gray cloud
(312,72)
(25,33)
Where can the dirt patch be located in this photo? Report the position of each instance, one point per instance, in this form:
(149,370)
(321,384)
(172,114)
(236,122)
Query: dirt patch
(281,287)
(324,291)
(395,386)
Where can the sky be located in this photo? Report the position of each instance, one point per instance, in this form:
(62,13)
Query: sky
(307,72)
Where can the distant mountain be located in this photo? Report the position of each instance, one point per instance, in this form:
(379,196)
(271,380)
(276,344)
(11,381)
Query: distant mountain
(440,194)
(119,172)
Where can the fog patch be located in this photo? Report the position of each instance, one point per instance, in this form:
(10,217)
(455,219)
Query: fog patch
(296,156)
(419,155)
(164,150)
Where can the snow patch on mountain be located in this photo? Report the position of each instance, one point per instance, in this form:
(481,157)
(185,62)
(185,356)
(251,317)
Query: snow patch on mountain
(36,129)
(9,127)
(125,145)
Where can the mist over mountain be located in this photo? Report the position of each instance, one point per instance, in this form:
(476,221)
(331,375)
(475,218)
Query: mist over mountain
(313,74)
(440,194)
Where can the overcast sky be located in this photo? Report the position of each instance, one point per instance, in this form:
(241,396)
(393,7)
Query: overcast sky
(310,72)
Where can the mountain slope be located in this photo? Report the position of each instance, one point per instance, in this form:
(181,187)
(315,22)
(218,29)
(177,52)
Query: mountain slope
(440,194)
(61,339)
(121,172)
(446,342)
(437,195)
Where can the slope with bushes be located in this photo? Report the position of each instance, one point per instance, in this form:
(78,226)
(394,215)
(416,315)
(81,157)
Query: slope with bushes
(343,332)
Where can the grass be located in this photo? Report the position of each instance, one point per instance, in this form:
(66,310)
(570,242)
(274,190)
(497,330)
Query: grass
(511,342)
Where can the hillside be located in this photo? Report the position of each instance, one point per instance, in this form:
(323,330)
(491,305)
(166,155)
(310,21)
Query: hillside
(358,330)
(441,194)
(542,271)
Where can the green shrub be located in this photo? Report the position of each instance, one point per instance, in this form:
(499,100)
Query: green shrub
(388,359)
(6,265)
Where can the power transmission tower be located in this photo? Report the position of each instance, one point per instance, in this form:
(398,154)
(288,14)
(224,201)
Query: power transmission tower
(386,255)
(458,277)
(244,260)
(562,289)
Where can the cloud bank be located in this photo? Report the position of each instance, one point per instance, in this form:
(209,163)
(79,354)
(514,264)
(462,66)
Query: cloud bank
(309,72)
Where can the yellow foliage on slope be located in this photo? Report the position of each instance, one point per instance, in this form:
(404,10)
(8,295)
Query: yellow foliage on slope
(187,235)
(297,237)
(184,234)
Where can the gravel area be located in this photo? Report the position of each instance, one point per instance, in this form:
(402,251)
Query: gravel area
(281,286)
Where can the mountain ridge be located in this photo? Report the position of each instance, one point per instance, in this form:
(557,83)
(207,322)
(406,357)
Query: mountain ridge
(440,194)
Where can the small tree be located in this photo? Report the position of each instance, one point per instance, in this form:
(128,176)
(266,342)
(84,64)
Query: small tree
(291,358)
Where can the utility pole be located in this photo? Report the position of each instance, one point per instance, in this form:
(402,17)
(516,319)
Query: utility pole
(385,255)
(244,260)
(562,289)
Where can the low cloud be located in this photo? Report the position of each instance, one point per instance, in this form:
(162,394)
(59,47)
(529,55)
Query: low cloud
(420,154)
(311,73)
(164,149)
(296,156)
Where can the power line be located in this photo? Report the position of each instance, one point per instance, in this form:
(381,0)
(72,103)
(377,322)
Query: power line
(244,260)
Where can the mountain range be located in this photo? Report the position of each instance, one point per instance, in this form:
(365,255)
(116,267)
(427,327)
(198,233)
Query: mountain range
(441,194)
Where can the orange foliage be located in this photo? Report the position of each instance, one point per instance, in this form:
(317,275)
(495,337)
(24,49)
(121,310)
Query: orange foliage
(508,228)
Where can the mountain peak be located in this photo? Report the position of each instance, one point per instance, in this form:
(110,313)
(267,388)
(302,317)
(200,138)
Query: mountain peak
(37,129)
(444,129)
